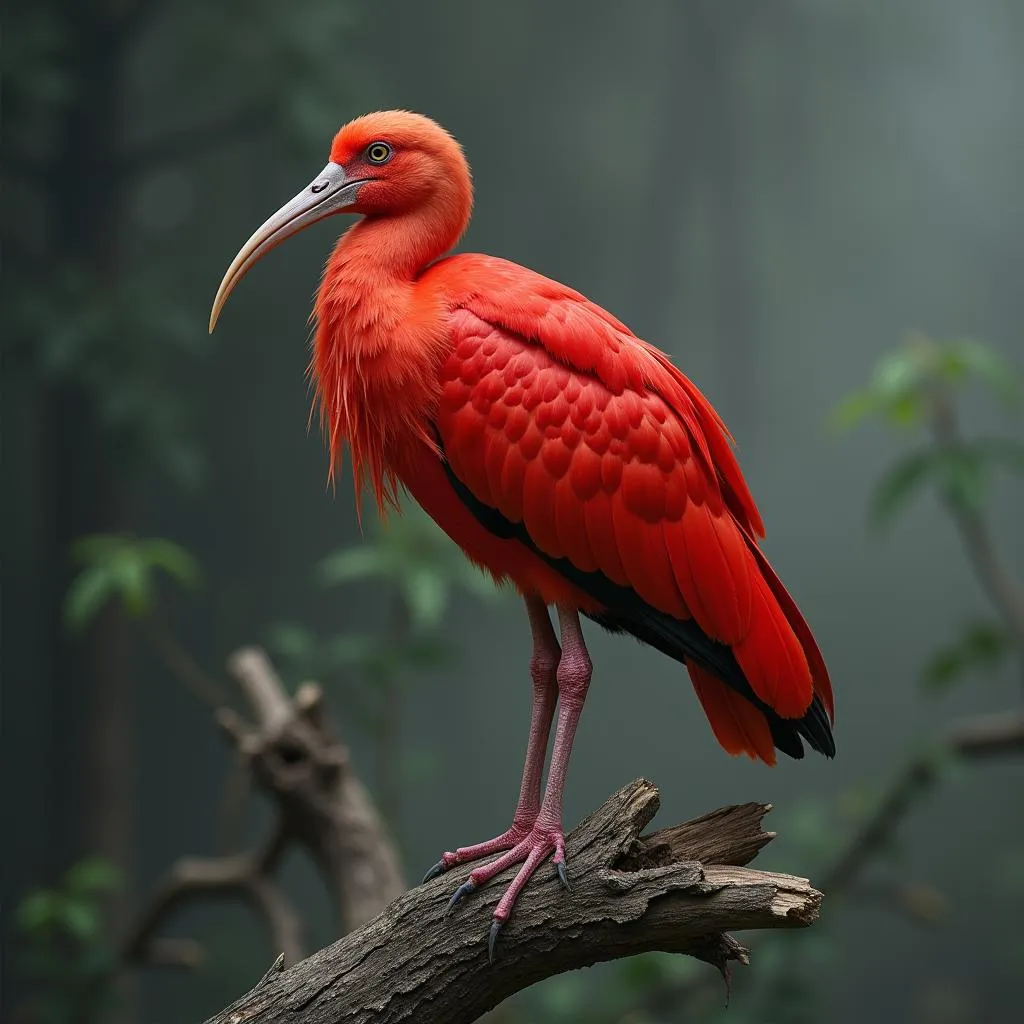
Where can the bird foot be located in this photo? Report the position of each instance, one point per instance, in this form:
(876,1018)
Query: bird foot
(464,854)
(530,851)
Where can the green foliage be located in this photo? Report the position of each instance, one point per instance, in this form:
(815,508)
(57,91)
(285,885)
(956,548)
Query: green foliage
(903,381)
(423,569)
(961,361)
(981,646)
(373,659)
(117,567)
(913,386)
(961,475)
(411,553)
(899,484)
(65,953)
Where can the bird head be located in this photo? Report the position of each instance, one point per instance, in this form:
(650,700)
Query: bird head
(381,165)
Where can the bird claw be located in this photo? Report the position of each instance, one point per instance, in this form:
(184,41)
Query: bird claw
(436,871)
(492,938)
(529,853)
(562,876)
(463,890)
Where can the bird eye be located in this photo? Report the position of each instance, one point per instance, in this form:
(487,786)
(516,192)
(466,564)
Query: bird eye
(378,152)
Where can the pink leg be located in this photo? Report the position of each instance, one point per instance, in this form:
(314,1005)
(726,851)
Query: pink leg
(543,666)
(546,835)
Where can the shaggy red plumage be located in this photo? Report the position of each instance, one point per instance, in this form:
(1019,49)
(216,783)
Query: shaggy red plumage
(561,452)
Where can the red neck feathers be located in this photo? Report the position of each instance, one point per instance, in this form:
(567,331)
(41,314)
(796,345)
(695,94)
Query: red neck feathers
(380,334)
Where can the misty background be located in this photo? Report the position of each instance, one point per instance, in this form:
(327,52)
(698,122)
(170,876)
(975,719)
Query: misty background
(773,194)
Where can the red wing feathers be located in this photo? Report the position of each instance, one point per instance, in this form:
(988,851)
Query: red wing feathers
(554,414)
(738,726)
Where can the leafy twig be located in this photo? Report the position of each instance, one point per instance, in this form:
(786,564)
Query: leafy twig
(1005,593)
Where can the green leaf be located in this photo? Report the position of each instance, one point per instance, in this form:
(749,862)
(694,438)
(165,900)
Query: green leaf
(91,876)
(292,641)
(893,392)
(961,358)
(425,591)
(961,474)
(96,548)
(896,374)
(905,411)
(943,669)
(178,563)
(981,646)
(132,579)
(80,919)
(89,592)
(356,563)
(898,485)
(962,478)
(354,649)
(125,567)
(38,910)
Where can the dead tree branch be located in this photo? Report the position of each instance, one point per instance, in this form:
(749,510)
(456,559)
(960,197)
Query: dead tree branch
(973,739)
(245,875)
(296,759)
(292,756)
(679,890)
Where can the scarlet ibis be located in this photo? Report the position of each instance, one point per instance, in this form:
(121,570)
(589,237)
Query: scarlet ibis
(557,449)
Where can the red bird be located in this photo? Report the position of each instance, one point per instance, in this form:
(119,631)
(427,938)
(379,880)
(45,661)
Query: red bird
(557,449)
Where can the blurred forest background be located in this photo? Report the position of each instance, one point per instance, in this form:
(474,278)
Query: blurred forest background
(775,194)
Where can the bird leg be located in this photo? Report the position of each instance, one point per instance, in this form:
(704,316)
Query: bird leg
(546,836)
(543,667)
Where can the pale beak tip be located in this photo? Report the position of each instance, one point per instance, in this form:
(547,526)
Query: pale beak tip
(215,311)
(313,203)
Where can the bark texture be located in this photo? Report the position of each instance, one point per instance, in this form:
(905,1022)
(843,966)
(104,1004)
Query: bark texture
(678,890)
(293,755)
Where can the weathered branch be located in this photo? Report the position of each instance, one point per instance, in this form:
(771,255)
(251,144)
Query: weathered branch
(974,739)
(305,770)
(319,803)
(244,874)
(630,895)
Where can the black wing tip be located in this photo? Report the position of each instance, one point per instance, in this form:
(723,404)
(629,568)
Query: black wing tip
(814,727)
(817,728)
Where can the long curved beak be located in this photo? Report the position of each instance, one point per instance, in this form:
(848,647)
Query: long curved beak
(330,192)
